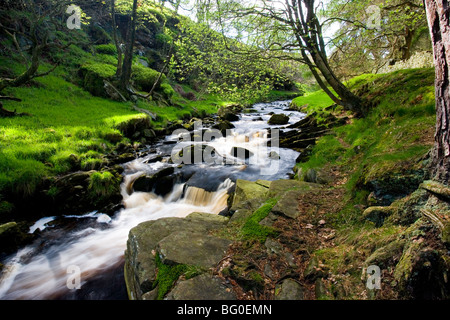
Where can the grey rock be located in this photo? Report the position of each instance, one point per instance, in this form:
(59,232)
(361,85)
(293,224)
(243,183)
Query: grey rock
(289,290)
(202,287)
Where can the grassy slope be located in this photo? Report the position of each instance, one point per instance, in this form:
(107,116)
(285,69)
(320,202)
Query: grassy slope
(65,121)
(393,138)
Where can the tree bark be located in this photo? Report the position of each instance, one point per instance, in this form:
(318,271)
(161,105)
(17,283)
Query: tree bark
(128,58)
(116,40)
(438,21)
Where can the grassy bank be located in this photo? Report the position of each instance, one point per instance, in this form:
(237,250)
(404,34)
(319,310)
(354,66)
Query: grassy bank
(374,161)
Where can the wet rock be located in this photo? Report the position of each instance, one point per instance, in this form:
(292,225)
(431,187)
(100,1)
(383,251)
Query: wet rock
(279,119)
(223,126)
(202,287)
(148,182)
(289,289)
(12,236)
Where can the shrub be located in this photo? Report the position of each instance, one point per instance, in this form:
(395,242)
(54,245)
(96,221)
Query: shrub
(106,49)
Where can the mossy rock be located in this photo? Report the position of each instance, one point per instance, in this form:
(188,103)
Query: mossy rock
(94,74)
(144,78)
(289,290)
(377,215)
(12,236)
(247,190)
(387,255)
(279,187)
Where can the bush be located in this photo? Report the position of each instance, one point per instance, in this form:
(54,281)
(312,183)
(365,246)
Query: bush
(144,78)
(106,49)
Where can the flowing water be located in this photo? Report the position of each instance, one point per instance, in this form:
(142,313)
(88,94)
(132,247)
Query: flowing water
(94,244)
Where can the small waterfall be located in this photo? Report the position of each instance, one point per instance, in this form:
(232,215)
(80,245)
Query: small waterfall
(43,274)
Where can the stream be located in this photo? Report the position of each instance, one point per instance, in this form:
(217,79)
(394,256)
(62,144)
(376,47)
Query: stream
(92,245)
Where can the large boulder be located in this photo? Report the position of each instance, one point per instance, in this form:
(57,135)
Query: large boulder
(143,241)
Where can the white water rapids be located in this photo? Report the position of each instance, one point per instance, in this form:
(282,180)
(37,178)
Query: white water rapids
(42,271)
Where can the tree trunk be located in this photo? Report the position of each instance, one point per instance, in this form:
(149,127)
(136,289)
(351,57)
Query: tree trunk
(128,59)
(438,21)
(116,40)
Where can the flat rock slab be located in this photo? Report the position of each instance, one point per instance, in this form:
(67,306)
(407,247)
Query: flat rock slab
(197,249)
(279,187)
(203,287)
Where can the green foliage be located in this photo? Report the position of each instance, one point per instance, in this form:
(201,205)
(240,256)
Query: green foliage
(313,102)
(397,132)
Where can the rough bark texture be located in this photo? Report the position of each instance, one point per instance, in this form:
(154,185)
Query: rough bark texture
(438,19)
(127,61)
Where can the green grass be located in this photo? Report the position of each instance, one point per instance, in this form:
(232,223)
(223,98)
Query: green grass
(313,101)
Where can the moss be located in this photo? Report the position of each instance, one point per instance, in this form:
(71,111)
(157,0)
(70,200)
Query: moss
(144,78)
(93,75)
(252,230)
(103,184)
(167,275)
(108,49)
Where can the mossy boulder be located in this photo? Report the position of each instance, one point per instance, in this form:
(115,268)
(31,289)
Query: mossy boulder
(140,261)
(247,190)
(144,78)
(94,74)
(12,236)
